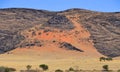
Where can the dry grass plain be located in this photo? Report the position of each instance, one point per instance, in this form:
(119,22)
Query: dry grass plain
(55,60)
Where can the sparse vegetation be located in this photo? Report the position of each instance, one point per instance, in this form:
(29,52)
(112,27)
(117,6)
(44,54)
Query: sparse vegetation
(45,67)
(105,59)
(109,59)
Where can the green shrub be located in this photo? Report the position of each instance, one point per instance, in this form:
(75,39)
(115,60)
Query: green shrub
(71,69)
(102,58)
(105,67)
(28,67)
(109,59)
(44,67)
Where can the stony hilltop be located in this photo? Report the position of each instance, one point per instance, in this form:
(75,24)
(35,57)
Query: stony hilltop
(78,30)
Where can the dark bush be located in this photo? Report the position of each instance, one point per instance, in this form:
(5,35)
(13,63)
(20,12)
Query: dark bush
(44,67)
(105,67)
(28,67)
(33,33)
(71,69)
(6,69)
(58,70)
(102,58)
(109,59)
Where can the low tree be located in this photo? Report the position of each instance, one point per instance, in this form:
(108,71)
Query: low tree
(105,67)
(71,69)
(44,67)
(109,59)
(28,67)
(102,58)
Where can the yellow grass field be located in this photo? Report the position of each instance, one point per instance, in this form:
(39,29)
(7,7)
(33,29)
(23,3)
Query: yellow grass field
(55,60)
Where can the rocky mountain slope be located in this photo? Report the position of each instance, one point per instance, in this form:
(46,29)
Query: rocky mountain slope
(74,29)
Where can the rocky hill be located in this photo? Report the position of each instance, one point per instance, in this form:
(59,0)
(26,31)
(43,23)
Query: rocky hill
(73,29)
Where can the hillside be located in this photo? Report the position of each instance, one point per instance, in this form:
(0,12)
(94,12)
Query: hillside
(76,30)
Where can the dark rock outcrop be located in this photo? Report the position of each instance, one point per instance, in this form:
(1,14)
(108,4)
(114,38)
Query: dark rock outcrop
(61,22)
(69,46)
